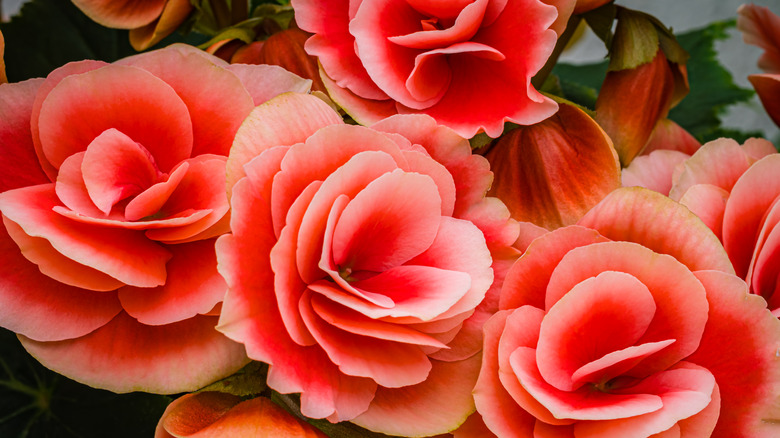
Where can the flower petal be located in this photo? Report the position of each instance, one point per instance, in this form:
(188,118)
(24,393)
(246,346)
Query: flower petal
(639,215)
(19,167)
(216,99)
(193,286)
(124,356)
(44,309)
(122,254)
(748,400)
(82,106)
(438,405)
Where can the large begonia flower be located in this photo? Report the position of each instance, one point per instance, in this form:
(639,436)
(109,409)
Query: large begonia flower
(735,190)
(466,63)
(219,415)
(362,263)
(630,324)
(112,193)
(149,21)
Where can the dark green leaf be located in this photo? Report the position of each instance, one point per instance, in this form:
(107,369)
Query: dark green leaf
(712,87)
(581,83)
(601,20)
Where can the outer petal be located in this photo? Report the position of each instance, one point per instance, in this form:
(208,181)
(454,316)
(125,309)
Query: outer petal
(362,110)
(653,171)
(719,163)
(265,82)
(125,356)
(220,415)
(193,286)
(283,121)
(748,400)
(750,199)
(498,408)
(173,14)
(216,99)
(333,45)
(533,163)
(43,309)
(82,106)
(122,14)
(668,135)
(656,222)
(438,405)
(19,166)
(122,254)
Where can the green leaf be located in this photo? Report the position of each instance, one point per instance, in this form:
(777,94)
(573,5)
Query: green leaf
(36,402)
(712,87)
(581,83)
(635,41)
(601,20)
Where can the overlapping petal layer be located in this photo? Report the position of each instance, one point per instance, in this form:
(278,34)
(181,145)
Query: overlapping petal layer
(113,191)
(601,338)
(353,264)
(393,56)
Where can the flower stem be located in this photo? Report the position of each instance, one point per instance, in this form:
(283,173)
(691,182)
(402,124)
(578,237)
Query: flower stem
(239,10)
(563,41)
(221,12)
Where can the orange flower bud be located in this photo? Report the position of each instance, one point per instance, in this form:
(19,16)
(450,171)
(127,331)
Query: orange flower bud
(552,172)
(216,414)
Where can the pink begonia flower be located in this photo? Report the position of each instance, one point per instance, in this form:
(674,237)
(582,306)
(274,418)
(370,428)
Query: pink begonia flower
(735,190)
(630,324)
(760,27)
(112,193)
(219,415)
(148,21)
(362,263)
(468,64)
(553,172)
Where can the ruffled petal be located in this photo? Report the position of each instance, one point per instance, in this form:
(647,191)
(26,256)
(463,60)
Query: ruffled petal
(125,355)
(639,215)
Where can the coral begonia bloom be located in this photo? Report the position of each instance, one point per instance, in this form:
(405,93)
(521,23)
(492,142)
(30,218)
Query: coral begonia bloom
(468,64)
(219,415)
(553,172)
(148,21)
(112,193)
(735,190)
(362,263)
(761,27)
(624,326)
